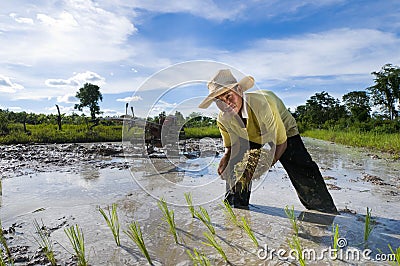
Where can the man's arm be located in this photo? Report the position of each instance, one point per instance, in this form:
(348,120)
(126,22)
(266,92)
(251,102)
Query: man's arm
(279,150)
(224,161)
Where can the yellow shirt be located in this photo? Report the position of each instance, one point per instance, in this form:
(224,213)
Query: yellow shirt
(268,120)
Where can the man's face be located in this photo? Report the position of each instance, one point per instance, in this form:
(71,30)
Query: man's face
(231,101)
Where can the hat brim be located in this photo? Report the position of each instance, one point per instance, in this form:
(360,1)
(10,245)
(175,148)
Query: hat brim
(245,83)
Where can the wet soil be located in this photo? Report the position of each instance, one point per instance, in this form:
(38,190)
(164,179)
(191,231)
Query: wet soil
(64,185)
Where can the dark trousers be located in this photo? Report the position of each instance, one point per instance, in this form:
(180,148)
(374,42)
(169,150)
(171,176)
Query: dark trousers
(306,177)
(303,173)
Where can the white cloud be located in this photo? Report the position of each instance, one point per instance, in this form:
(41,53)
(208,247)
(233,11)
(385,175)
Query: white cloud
(21,20)
(6,85)
(77,80)
(67,98)
(15,108)
(130,99)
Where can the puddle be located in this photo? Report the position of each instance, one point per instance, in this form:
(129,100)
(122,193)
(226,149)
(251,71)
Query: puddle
(61,199)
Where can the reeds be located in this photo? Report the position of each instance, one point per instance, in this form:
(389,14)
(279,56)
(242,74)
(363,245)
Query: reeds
(292,217)
(246,227)
(76,237)
(368,226)
(112,221)
(169,218)
(213,243)
(198,258)
(294,244)
(205,218)
(44,242)
(189,201)
(135,234)
(230,213)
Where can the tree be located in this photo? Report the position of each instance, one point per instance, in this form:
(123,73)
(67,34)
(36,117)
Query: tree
(357,104)
(89,96)
(386,91)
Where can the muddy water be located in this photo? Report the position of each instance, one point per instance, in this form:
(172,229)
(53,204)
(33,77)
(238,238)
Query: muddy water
(61,198)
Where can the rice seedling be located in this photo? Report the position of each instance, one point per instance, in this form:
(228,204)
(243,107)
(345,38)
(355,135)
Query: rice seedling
(230,213)
(3,243)
(335,231)
(368,227)
(44,242)
(213,243)
(246,227)
(205,218)
(112,221)
(294,244)
(169,218)
(396,254)
(76,237)
(198,258)
(135,234)
(189,201)
(292,217)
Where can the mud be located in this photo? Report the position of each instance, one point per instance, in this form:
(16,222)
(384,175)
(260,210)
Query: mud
(64,185)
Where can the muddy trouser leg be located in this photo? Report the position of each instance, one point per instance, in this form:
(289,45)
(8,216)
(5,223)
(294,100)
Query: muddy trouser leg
(235,195)
(306,177)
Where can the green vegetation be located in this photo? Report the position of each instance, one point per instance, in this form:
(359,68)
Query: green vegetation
(75,236)
(294,244)
(212,242)
(112,222)
(378,141)
(201,132)
(293,219)
(396,253)
(5,247)
(246,227)
(368,225)
(44,242)
(335,238)
(230,213)
(135,234)
(198,258)
(169,218)
(205,218)
(189,201)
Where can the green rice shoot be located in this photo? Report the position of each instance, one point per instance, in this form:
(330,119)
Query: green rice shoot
(76,237)
(211,242)
(3,242)
(294,244)
(44,241)
(205,218)
(368,225)
(396,253)
(135,234)
(230,213)
(189,201)
(293,219)
(335,232)
(246,227)
(169,218)
(112,222)
(198,258)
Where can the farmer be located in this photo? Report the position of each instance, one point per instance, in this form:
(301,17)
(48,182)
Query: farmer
(252,120)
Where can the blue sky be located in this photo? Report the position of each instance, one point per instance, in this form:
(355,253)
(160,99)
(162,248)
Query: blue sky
(50,48)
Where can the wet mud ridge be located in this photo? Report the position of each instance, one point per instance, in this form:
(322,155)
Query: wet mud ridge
(23,159)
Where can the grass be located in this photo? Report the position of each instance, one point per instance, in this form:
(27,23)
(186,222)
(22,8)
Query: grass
(230,213)
(76,237)
(44,242)
(169,218)
(112,222)
(3,242)
(135,234)
(396,253)
(246,227)
(189,201)
(294,244)
(293,220)
(368,227)
(376,141)
(198,258)
(205,218)
(201,132)
(213,243)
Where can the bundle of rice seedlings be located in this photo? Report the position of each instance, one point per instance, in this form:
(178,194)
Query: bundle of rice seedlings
(76,237)
(44,242)
(254,164)
(112,222)
(198,258)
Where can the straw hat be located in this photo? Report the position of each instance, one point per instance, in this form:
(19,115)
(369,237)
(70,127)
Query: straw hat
(221,83)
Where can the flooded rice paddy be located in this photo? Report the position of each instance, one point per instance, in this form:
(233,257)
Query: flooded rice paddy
(64,185)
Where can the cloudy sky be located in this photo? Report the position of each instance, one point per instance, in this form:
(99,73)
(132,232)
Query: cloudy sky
(50,48)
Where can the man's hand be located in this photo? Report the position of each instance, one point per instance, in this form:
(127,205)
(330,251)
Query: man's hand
(224,162)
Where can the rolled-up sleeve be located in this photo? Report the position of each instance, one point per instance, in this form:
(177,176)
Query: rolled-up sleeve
(272,122)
